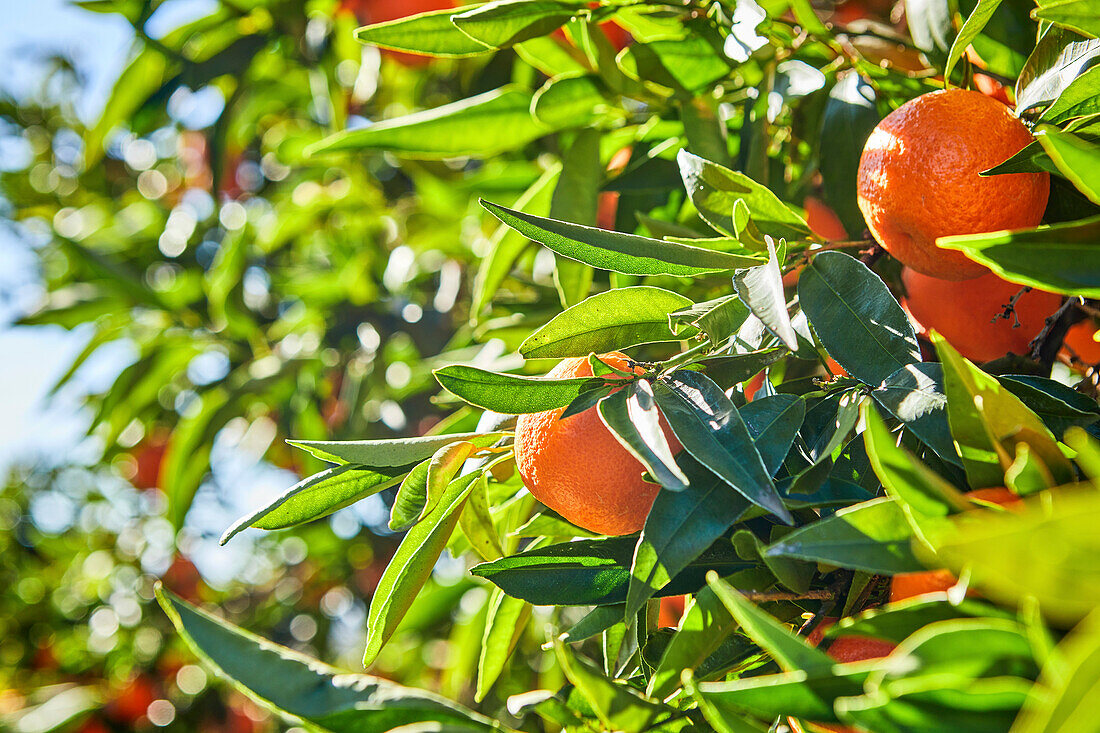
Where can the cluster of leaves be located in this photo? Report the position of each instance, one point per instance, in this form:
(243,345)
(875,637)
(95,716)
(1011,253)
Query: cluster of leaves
(803,498)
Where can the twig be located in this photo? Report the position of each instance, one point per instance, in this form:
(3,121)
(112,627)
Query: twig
(1044,347)
(1009,308)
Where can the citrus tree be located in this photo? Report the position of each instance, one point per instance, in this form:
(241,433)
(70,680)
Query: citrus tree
(819,449)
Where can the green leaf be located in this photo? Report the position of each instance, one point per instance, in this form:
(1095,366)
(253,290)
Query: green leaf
(318,496)
(713,433)
(705,625)
(1059,58)
(568,101)
(873,536)
(1078,99)
(680,527)
(389,452)
(856,317)
(987,420)
(914,395)
(412,497)
(552,57)
(412,564)
(727,371)
(476,522)
(1082,16)
(687,65)
(974,24)
(575,200)
(504,625)
(719,318)
(808,696)
(1077,159)
(186,459)
(290,683)
(1059,406)
(761,289)
(137,82)
(1060,258)
(501,23)
(931,705)
(608,321)
(593,572)
(617,706)
(430,33)
(715,189)
(632,418)
(912,484)
(773,423)
(511,394)
(897,621)
(790,651)
(628,254)
(1047,549)
(479,126)
(1070,682)
(506,244)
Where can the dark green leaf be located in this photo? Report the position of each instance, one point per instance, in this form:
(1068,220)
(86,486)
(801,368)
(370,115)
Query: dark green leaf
(628,254)
(856,317)
(632,418)
(873,536)
(713,433)
(593,572)
(761,289)
(914,395)
(773,423)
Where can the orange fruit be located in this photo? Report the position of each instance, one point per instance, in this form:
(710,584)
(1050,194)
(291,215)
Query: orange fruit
(918,179)
(578,468)
(823,220)
(910,585)
(844,649)
(963,313)
(672,609)
(1082,339)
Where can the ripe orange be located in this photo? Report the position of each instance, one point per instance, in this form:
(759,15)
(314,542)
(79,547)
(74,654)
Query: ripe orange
(823,220)
(672,609)
(918,179)
(1082,339)
(844,649)
(963,313)
(578,468)
(910,585)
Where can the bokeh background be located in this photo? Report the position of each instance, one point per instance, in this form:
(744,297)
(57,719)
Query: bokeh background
(180,292)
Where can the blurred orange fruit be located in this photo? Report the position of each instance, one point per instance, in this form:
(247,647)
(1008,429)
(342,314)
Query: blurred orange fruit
(823,220)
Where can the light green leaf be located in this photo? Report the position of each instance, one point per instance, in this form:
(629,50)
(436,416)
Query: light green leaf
(391,451)
(291,684)
(318,496)
(575,200)
(1082,16)
(511,394)
(608,321)
(1070,683)
(412,564)
(501,23)
(1077,159)
(504,625)
(568,101)
(480,126)
(430,33)
(1061,258)
(974,24)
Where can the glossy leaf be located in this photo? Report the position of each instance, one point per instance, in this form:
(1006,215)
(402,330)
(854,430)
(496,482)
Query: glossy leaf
(479,126)
(318,496)
(856,317)
(501,23)
(389,452)
(914,395)
(593,572)
(873,536)
(510,394)
(713,433)
(505,622)
(411,565)
(430,33)
(632,417)
(714,189)
(681,525)
(328,698)
(761,289)
(628,254)
(773,423)
(1077,159)
(608,321)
